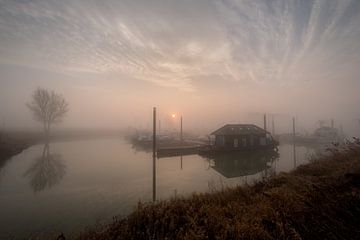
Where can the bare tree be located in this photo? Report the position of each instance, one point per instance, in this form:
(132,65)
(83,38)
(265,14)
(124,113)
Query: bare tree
(48,108)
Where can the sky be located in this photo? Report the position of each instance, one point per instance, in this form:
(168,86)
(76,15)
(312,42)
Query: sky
(213,61)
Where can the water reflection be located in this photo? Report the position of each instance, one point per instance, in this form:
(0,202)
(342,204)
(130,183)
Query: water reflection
(236,164)
(181,162)
(46,171)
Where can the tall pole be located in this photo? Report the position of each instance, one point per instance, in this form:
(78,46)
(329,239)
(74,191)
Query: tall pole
(294,130)
(154,154)
(273,126)
(294,149)
(181,140)
(265,121)
(181,130)
(159,127)
(2,130)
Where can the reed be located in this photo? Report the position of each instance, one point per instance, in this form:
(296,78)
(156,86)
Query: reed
(320,200)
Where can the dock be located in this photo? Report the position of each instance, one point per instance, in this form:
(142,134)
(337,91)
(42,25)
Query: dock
(177,151)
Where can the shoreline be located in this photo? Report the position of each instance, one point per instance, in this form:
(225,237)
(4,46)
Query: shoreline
(14,142)
(319,200)
(10,148)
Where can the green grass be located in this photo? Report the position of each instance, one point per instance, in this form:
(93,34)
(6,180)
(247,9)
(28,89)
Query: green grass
(320,200)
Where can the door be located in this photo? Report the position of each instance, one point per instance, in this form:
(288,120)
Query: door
(236,143)
(244,142)
(251,140)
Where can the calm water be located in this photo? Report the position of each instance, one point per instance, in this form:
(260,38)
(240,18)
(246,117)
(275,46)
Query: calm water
(68,185)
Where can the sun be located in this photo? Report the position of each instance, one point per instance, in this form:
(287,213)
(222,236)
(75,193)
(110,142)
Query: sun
(173,115)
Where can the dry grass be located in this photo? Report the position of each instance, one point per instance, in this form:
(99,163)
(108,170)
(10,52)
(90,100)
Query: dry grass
(320,200)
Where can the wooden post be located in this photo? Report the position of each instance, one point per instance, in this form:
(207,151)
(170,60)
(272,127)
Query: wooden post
(273,126)
(294,147)
(159,127)
(181,129)
(154,154)
(181,140)
(294,129)
(332,123)
(265,121)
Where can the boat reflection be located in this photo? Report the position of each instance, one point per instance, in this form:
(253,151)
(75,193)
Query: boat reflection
(239,164)
(46,171)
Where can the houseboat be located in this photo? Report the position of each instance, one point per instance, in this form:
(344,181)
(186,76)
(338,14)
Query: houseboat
(240,137)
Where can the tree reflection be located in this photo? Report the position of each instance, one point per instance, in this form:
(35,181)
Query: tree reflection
(46,171)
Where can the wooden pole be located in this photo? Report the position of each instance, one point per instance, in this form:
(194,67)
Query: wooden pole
(154,154)
(181,129)
(273,126)
(181,141)
(294,130)
(159,127)
(265,121)
(294,147)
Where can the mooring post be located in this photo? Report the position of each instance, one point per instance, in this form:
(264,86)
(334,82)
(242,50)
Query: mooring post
(154,154)
(294,149)
(159,127)
(181,130)
(265,121)
(294,129)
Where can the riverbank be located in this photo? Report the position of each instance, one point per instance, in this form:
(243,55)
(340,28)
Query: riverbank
(320,200)
(11,147)
(14,142)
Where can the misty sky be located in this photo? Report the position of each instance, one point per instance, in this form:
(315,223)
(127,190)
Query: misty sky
(212,61)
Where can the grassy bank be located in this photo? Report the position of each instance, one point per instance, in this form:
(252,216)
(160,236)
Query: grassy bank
(15,141)
(320,200)
(11,147)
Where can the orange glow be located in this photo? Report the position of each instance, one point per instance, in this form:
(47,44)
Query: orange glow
(173,115)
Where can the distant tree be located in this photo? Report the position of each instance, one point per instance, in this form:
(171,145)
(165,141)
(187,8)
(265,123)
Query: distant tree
(48,108)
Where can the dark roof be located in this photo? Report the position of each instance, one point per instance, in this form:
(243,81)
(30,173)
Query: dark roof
(239,129)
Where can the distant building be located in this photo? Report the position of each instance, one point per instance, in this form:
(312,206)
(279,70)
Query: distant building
(326,132)
(242,137)
(327,135)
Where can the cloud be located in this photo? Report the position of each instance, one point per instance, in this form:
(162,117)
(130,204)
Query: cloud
(172,43)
